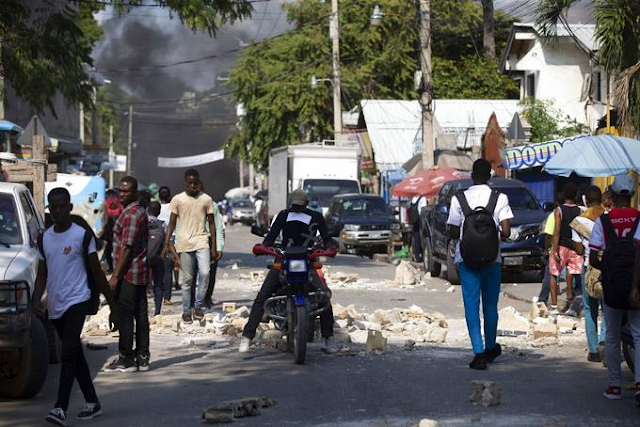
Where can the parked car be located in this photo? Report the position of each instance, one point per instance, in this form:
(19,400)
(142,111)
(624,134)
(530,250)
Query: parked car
(361,223)
(24,346)
(242,211)
(523,250)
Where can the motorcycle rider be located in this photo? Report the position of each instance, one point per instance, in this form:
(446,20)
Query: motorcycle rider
(299,226)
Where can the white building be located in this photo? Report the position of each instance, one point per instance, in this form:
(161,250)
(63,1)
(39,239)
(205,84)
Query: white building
(561,70)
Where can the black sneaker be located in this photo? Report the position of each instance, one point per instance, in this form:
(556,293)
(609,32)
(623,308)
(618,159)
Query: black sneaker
(186,318)
(90,410)
(479,362)
(594,357)
(121,364)
(198,314)
(143,363)
(492,354)
(57,417)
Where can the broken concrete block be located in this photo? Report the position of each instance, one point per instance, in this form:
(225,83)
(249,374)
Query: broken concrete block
(272,335)
(239,323)
(396,328)
(427,423)
(451,289)
(512,323)
(341,336)
(348,312)
(210,416)
(407,274)
(485,393)
(228,307)
(544,330)
(376,341)
(234,267)
(342,323)
(436,335)
(241,312)
(359,337)
(236,409)
(542,307)
(257,276)
(566,322)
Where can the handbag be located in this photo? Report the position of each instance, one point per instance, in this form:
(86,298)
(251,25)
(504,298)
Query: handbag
(593,282)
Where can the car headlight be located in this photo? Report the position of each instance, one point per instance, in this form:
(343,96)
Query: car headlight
(351,227)
(395,226)
(14,297)
(297,266)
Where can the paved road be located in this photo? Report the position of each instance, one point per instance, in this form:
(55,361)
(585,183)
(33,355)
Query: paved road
(552,386)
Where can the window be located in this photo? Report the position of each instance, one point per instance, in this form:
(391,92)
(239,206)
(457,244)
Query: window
(365,206)
(31,217)
(531,86)
(325,189)
(9,221)
(520,198)
(596,86)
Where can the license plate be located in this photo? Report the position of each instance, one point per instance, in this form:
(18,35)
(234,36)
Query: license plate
(514,260)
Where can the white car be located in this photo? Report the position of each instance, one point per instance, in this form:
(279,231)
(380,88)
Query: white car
(24,347)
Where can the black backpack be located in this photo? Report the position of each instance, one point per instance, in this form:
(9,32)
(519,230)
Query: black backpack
(413,213)
(617,265)
(156,239)
(479,244)
(94,301)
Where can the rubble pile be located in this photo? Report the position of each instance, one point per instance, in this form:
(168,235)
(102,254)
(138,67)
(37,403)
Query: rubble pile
(226,412)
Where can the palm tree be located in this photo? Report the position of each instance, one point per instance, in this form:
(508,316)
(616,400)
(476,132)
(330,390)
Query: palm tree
(617,35)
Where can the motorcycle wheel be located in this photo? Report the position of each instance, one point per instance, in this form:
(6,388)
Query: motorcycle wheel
(300,334)
(629,353)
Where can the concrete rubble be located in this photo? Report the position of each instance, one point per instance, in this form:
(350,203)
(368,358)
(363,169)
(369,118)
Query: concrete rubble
(376,342)
(226,412)
(407,274)
(428,423)
(485,393)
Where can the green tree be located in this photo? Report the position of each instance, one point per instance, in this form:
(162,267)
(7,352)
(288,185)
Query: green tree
(547,123)
(272,78)
(46,50)
(618,38)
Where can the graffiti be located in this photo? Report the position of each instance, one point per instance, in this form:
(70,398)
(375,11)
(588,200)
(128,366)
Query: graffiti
(530,156)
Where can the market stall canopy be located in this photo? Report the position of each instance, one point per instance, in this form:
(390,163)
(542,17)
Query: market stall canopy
(427,183)
(600,155)
(7,126)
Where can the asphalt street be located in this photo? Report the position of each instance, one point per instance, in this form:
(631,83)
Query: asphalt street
(547,386)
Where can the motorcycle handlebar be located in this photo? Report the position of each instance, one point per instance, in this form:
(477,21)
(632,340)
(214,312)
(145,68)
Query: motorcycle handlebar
(261,249)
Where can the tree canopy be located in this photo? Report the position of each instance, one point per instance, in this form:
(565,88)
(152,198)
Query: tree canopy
(272,78)
(45,47)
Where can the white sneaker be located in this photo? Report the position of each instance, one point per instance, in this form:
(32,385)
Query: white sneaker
(553,310)
(245,343)
(329,345)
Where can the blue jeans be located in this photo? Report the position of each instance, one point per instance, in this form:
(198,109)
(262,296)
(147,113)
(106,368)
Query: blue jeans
(590,310)
(192,264)
(477,282)
(544,291)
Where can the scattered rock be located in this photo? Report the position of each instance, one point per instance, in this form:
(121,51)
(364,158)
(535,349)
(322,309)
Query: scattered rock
(341,336)
(511,323)
(242,312)
(225,412)
(425,422)
(339,277)
(451,289)
(485,393)
(234,267)
(257,276)
(436,334)
(409,345)
(342,323)
(566,322)
(407,274)
(544,330)
(376,341)
(228,307)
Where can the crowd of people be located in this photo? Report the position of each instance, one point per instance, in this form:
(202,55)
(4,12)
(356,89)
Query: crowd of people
(176,243)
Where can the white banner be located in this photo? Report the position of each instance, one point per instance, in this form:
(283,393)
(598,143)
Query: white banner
(121,163)
(184,162)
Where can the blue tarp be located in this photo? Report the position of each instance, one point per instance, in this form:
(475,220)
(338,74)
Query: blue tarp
(7,126)
(601,155)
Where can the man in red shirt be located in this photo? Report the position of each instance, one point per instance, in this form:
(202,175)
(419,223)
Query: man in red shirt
(130,278)
(623,217)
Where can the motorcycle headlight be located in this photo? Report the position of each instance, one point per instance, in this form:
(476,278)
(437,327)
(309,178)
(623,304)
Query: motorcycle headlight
(297,266)
(395,226)
(351,227)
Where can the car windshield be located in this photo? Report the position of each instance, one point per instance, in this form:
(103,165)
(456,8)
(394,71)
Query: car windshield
(364,206)
(324,189)
(242,204)
(520,198)
(9,221)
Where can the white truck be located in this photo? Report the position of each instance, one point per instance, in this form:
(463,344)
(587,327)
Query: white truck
(321,170)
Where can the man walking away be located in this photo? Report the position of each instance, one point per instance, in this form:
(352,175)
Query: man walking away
(130,279)
(195,246)
(161,290)
(582,227)
(475,218)
(67,258)
(614,233)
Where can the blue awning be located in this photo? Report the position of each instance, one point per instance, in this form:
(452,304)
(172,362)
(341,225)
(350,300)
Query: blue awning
(7,126)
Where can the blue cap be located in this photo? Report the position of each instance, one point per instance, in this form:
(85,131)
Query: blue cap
(623,185)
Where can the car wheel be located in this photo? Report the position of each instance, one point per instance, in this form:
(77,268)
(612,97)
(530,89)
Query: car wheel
(429,264)
(452,269)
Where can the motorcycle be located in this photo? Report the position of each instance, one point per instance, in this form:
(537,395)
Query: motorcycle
(295,307)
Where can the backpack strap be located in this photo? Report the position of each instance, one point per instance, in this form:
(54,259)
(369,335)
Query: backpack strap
(462,199)
(493,201)
(86,241)
(607,228)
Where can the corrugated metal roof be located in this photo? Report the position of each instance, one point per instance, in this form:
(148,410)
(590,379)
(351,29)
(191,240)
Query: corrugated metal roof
(395,127)
(585,33)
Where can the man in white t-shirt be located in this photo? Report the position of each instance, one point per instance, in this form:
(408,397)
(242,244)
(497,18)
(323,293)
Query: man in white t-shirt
(485,280)
(63,273)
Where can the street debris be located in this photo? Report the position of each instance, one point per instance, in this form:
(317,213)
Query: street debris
(511,323)
(425,422)
(485,393)
(376,342)
(451,289)
(407,274)
(340,277)
(226,412)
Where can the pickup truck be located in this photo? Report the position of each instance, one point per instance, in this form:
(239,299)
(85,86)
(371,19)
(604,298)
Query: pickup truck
(523,250)
(24,341)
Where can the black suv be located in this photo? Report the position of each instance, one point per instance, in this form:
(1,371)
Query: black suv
(524,250)
(361,223)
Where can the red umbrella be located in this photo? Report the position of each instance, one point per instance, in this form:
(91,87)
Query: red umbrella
(427,183)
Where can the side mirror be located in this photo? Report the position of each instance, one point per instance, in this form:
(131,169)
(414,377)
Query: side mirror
(257,231)
(547,206)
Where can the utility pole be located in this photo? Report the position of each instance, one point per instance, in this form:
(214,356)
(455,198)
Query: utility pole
(130,141)
(111,155)
(335,38)
(251,178)
(81,119)
(241,173)
(426,89)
